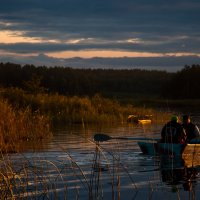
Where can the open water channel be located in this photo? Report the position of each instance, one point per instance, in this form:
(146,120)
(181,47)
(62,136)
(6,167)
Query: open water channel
(73,166)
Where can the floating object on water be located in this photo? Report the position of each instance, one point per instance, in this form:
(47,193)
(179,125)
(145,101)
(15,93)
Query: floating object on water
(139,119)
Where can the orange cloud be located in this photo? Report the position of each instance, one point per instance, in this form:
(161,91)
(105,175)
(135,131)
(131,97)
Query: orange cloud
(101,53)
(113,54)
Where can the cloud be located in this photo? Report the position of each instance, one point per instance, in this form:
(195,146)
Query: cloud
(42,27)
(167,63)
(164,44)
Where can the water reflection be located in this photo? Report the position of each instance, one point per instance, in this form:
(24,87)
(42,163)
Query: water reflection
(174,173)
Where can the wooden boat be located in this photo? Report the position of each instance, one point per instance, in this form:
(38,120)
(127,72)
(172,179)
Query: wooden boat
(155,148)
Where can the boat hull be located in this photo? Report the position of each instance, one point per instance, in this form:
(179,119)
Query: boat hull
(153,148)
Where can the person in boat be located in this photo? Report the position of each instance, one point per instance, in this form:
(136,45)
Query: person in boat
(173,132)
(192,130)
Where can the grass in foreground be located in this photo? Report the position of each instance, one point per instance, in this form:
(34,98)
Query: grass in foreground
(37,177)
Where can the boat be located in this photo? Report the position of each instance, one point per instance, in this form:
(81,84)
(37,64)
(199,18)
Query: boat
(139,119)
(153,146)
(158,148)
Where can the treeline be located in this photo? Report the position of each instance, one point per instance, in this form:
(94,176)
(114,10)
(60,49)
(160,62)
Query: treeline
(185,84)
(81,82)
(107,82)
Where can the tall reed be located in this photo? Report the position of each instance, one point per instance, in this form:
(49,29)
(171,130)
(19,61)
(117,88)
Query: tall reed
(17,126)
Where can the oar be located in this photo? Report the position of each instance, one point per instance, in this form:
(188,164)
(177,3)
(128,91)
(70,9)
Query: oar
(103,137)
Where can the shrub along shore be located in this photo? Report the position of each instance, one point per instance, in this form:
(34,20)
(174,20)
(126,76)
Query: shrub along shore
(28,117)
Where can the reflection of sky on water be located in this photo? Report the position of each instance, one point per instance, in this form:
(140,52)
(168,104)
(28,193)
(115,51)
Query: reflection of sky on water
(66,167)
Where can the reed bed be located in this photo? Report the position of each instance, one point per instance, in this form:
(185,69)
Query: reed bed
(73,109)
(17,126)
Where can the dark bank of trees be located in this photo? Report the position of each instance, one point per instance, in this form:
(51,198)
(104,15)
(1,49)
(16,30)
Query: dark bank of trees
(109,82)
(68,81)
(184,84)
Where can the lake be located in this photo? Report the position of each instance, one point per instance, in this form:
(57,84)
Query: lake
(73,166)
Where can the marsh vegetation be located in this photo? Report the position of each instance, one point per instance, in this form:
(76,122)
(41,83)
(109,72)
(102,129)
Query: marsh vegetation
(19,126)
(33,100)
(30,117)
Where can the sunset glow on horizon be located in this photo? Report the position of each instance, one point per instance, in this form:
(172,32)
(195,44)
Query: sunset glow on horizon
(114,54)
(40,32)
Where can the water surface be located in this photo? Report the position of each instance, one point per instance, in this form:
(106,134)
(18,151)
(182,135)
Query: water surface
(73,166)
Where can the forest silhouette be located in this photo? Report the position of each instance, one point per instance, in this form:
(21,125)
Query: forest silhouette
(183,84)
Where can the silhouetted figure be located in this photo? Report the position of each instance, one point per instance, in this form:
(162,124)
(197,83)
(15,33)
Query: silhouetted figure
(192,131)
(173,132)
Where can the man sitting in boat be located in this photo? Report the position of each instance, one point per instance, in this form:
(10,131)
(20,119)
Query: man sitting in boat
(173,132)
(192,131)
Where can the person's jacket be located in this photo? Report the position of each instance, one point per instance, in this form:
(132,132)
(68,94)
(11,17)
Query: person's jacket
(191,130)
(173,132)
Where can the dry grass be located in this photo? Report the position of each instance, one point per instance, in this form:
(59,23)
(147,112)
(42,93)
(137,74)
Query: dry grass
(19,126)
(73,109)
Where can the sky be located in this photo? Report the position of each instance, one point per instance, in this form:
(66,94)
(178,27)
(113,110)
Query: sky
(150,34)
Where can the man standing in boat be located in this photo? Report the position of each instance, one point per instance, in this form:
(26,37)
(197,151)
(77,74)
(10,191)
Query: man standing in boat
(173,132)
(192,130)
